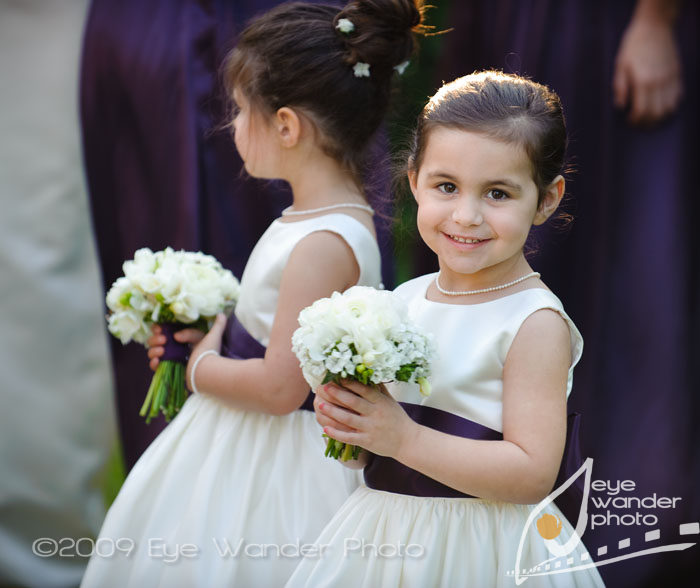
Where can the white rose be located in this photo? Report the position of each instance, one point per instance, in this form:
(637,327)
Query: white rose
(140,303)
(117,294)
(168,278)
(144,262)
(128,325)
(186,307)
(200,283)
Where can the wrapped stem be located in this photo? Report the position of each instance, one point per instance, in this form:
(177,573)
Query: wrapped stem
(166,393)
(337,449)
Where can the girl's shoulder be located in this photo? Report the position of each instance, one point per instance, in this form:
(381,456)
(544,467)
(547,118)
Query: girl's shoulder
(355,234)
(414,288)
(523,304)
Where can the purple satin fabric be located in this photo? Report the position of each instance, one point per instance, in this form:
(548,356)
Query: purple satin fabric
(385,473)
(174,351)
(238,343)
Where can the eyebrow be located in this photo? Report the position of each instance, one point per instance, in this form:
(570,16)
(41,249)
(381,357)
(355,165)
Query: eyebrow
(451,178)
(441,174)
(508,183)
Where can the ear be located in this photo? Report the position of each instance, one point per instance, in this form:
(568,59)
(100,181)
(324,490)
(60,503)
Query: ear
(412,178)
(551,200)
(288,126)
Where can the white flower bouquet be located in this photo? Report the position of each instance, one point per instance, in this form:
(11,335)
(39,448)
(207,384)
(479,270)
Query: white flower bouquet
(178,288)
(365,335)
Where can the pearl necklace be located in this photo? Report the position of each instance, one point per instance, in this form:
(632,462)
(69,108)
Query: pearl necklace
(289,212)
(484,290)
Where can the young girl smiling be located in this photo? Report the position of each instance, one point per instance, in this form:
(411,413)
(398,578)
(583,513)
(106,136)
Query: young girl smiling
(456,475)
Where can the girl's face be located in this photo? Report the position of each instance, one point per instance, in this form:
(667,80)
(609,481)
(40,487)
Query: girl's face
(255,139)
(476,203)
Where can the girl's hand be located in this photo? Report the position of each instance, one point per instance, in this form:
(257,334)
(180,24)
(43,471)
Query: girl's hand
(368,417)
(205,342)
(321,399)
(157,340)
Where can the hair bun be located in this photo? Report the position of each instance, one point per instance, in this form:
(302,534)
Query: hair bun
(384,31)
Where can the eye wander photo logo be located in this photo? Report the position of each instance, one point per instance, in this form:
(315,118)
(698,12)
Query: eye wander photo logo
(563,558)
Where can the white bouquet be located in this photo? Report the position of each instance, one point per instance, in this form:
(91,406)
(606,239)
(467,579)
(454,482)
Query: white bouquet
(181,288)
(362,334)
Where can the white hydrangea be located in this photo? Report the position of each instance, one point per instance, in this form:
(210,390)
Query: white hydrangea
(168,286)
(362,331)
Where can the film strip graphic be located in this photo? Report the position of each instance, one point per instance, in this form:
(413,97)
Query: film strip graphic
(571,556)
(560,565)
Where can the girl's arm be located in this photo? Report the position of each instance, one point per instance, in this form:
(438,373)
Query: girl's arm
(320,264)
(522,467)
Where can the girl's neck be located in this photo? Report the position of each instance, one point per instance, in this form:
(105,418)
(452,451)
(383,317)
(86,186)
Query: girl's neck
(487,278)
(321,181)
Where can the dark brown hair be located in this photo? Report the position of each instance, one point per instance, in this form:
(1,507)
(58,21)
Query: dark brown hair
(295,56)
(503,106)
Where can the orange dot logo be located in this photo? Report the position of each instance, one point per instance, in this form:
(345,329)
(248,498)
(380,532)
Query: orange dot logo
(549,526)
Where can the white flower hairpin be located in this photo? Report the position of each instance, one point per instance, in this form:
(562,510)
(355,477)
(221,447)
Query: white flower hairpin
(401,67)
(361,70)
(345,26)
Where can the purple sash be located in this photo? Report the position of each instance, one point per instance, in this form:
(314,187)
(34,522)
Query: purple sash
(238,343)
(174,351)
(385,473)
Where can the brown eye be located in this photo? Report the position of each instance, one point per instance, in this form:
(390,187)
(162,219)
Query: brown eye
(497,195)
(447,188)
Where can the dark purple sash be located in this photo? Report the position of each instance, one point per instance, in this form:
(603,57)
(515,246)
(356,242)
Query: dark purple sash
(174,351)
(238,343)
(385,473)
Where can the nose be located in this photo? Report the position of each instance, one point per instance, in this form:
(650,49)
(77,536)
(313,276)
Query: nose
(467,211)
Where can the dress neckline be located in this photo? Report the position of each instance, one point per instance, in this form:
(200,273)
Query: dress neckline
(431,277)
(279,221)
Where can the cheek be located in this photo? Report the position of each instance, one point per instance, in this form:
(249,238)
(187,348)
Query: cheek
(239,137)
(514,226)
(432,211)
(422,216)
(428,220)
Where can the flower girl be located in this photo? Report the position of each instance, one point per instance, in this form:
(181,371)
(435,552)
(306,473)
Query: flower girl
(451,479)
(236,485)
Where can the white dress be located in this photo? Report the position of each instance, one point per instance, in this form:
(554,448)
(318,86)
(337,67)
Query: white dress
(388,539)
(245,490)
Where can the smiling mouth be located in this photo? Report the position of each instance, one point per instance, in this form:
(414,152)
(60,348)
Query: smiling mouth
(467,240)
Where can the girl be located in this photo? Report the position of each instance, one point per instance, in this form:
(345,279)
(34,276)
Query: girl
(237,484)
(449,488)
